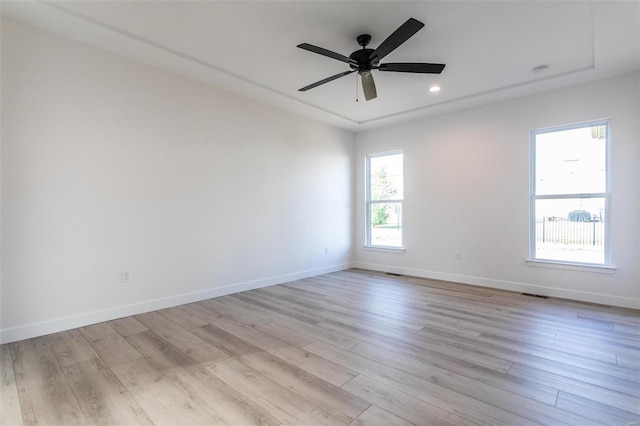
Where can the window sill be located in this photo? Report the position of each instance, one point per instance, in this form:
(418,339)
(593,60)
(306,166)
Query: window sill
(583,267)
(385,249)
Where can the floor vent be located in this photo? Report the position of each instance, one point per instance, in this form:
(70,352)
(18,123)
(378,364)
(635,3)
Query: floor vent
(393,274)
(535,295)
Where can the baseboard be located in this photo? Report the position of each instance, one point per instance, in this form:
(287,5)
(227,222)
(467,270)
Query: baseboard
(87,318)
(603,299)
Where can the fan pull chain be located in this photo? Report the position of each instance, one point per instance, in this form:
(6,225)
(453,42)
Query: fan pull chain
(357,88)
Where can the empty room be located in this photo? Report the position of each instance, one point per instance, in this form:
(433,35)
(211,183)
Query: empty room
(320,213)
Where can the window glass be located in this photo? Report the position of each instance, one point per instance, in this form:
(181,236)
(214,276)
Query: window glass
(386,224)
(570,195)
(384,200)
(386,177)
(571,162)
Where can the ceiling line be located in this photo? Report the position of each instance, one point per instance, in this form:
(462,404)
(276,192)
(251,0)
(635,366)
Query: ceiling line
(181,55)
(480,94)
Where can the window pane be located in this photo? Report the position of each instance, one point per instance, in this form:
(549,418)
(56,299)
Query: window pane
(386,177)
(571,161)
(570,230)
(386,224)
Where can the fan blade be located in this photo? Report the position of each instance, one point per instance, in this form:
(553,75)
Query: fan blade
(325,52)
(399,36)
(418,67)
(326,80)
(368,85)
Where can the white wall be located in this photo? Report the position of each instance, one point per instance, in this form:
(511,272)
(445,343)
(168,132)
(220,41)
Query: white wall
(467,190)
(109,165)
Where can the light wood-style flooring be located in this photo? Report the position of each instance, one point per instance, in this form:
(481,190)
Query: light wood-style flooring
(352,347)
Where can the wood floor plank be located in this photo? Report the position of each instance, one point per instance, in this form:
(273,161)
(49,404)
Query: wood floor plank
(444,317)
(101,395)
(615,342)
(230,405)
(10,411)
(439,383)
(424,342)
(368,284)
(162,401)
(127,326)
(557,352)
(71,347)
(590,347)
(620,317)
(441,371)
(431,393)
(160,353)
(529,401)
(252,320)
(392,305)
(614,398)
(200,311)
(318,366)
(474,318)
(319,333)
(112,347)
(627,328)
(192,346)
(597,411)
(396,309)
(307,361)
(226,342)
(375,416)
(355,312)
(505,350)
(182,317)
(45,395)
(303,316)
(334,311)
(569,322)
(554,372)
(278,401)
(439,353)
(628,361)
(331,398)
(402,405)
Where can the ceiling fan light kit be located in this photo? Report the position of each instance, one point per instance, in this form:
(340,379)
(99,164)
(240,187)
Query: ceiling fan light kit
(365,60)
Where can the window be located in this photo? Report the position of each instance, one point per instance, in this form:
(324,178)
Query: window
(384,200)
(570,194)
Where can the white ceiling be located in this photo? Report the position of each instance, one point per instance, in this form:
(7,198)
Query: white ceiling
(249,48)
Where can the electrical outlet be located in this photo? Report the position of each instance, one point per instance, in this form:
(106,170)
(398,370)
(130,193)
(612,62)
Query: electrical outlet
(458,256)
(124,277)
(326,250)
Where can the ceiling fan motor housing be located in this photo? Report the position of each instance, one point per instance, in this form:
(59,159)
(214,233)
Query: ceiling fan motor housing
(362,58)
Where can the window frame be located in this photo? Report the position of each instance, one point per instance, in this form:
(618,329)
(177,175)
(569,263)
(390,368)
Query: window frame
(606,196)
(369,202)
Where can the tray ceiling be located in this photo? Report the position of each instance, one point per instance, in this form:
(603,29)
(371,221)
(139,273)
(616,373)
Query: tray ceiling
(249,47)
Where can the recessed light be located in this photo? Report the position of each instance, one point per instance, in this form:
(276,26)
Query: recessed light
(434,89)
(540,69)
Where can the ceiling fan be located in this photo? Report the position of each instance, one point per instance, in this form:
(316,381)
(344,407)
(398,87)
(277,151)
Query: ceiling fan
(364,60)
